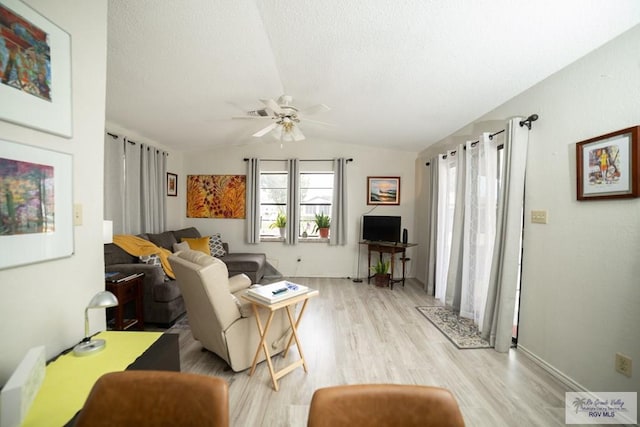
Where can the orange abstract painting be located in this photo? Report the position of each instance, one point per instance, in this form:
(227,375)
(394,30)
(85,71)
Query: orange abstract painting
(216,196)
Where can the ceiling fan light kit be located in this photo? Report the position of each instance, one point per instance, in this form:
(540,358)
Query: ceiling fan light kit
(286,118)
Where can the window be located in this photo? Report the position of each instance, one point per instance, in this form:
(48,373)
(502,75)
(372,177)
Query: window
(316,193)
(273,200)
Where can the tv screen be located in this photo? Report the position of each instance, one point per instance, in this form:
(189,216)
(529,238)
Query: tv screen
(378,228)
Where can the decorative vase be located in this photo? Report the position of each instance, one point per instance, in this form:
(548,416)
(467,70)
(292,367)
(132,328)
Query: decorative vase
(324,233)
(282,230)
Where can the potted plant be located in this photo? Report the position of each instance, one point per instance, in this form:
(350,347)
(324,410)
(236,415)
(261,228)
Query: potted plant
(381,273)
(280,223)
(322,225)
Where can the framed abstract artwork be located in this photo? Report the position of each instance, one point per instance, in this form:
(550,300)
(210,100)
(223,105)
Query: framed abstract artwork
(383,190)
(607,166)
(172,184)
(216,196)
(35,70)
(36,204)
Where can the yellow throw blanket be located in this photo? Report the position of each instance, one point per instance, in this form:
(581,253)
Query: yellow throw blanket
(137,246)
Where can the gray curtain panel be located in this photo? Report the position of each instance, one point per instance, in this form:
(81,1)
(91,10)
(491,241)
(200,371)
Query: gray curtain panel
(153,171)
(338,233)
(253,201)
(505,268)
(293,199)
(114,181)
(430,282)
(132,199)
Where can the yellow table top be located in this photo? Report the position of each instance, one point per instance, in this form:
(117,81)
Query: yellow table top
(68,380)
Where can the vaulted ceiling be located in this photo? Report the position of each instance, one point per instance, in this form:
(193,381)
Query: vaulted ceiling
(403,73)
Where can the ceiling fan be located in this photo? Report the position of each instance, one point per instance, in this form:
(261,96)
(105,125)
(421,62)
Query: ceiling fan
(285,118)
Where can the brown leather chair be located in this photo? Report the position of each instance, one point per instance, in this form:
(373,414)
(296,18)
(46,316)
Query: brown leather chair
(156,398)
(384,405)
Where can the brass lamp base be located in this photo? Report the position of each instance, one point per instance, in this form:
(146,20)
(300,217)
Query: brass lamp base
(90,347)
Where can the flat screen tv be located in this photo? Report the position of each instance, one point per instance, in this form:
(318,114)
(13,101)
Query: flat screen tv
(378,228)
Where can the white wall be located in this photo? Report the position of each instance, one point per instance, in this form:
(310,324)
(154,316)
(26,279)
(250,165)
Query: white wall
(318,259)
(43,304)
(581,276)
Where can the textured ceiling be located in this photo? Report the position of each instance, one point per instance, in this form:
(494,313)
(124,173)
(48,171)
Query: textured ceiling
(403,73)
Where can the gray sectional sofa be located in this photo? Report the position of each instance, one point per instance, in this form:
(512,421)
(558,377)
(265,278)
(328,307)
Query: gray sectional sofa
(163,303)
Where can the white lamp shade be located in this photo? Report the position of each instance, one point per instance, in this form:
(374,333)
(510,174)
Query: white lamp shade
(107,232)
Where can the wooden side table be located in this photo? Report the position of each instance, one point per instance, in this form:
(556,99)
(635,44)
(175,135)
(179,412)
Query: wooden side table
(286,304)
(128,291)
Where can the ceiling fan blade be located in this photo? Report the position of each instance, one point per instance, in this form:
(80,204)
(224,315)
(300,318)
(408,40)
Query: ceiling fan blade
(272,105)
(315,109)
(266,130)
(297,134)
(318,122)
(251,117)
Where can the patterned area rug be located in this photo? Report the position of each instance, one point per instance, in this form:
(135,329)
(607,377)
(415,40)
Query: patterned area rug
(460,331)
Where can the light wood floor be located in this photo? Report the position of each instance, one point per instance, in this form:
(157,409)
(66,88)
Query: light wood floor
(357,333)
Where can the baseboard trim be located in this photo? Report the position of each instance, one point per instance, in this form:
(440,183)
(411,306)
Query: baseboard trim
(560,376)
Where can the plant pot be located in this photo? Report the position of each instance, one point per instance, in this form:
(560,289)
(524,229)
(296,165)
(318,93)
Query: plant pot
(282,230)
(381,280)
(324,233)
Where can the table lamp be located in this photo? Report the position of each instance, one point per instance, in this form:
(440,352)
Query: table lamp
(87,346)
(107,231)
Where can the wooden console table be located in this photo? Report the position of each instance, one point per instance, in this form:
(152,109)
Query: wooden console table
(388,248)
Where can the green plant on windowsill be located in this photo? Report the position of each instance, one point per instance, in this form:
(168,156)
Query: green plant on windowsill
(280,222)
(322,221)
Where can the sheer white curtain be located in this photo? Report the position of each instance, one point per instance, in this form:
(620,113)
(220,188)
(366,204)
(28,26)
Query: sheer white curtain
(479,226)
(447,171)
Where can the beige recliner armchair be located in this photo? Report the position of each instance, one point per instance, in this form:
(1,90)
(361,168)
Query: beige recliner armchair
(219,318)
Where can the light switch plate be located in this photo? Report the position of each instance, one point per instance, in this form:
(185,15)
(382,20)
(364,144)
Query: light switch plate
(539,217)
(77,214)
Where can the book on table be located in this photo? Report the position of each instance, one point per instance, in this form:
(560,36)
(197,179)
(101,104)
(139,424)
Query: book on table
(117,277)
(276,292)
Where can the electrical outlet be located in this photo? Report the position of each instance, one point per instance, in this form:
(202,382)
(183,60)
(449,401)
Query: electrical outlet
(623,364)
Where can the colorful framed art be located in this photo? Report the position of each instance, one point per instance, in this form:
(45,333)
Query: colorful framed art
(35,70)
(36,204)
(607,166)
(216,196)
(172,184)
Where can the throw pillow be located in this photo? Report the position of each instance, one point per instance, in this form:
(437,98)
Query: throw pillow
(198,244)
(215,246)
(182,246)
(152,259)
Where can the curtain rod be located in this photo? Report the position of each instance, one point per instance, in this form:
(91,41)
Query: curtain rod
(526,122)
(114,136)
(310,160)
